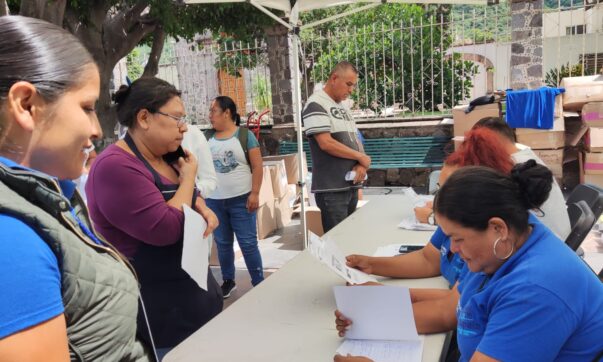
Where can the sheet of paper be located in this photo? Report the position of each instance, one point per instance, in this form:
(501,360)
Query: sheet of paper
(195,251)
(411,223)
(383,351)
(329,254)
(377,312)
(388,250)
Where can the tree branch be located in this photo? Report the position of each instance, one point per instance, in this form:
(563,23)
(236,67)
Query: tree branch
(51,11)
(4,8)
(152,67)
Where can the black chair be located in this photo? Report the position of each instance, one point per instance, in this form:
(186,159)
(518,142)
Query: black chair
(593,196)
(582,220)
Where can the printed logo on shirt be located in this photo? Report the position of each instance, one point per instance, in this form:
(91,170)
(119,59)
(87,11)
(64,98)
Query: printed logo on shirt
(225,162)
(466,324)
(339,114)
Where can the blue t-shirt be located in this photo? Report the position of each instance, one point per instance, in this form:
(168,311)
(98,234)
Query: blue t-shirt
(532,108)
(451,264)
(543,304)
(30,279)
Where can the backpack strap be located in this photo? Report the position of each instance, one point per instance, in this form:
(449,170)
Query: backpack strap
(209,133)
(243,136)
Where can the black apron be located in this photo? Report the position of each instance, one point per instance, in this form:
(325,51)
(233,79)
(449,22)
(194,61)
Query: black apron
(175,304)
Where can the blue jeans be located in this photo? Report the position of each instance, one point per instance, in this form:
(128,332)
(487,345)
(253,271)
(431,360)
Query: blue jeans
(236,220)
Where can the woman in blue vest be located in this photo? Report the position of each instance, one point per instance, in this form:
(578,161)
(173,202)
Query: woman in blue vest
(526,295)
(66,294)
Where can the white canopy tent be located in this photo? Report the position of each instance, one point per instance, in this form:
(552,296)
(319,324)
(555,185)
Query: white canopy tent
(292,23)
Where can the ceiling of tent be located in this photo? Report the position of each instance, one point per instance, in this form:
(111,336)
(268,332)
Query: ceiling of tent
(307,5)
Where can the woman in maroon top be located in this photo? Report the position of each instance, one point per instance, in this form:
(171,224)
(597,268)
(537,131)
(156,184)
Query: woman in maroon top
(136,194)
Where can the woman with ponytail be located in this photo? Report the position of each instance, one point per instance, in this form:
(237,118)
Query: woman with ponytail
(238,164)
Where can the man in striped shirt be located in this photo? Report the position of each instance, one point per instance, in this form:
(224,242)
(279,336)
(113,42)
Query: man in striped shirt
(335,147)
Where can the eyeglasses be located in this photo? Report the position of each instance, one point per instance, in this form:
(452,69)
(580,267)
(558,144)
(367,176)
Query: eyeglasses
(180,121)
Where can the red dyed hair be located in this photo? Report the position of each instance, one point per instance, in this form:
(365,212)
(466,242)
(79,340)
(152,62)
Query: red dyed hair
(482,147)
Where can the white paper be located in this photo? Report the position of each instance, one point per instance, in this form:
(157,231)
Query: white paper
(381,312)
(195,251)
(411,223)
(383,351)
(388,250)
(329,254)
(416,199)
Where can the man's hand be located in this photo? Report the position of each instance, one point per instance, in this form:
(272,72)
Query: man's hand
(360,174)
(365,161)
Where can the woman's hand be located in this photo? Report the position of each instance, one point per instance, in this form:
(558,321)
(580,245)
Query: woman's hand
(253,201)
(422,213)
(211,219)
(341,323)
(360,262)
(187,167)
(348,358)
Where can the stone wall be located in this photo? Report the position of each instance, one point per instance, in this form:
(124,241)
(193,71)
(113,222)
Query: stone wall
(280,63)
(526,50)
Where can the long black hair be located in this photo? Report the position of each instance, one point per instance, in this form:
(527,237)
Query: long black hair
(225,102)
(473,195)
(145,93)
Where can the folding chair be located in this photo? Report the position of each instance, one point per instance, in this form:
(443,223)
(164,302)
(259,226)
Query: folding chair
(582,220)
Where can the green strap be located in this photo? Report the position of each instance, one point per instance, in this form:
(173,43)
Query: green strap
(243,136)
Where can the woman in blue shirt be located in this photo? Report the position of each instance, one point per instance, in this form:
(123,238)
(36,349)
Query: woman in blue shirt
(526,296)
(65,293)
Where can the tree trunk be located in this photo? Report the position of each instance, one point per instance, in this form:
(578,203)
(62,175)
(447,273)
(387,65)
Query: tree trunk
(51,11)
(152,67)
(3,8)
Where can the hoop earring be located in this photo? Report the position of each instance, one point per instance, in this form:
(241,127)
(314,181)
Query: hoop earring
(508,255)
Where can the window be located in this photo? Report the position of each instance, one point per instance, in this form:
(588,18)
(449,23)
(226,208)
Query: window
(576,29)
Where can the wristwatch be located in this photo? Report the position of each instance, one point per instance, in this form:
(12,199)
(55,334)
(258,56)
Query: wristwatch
(431,219)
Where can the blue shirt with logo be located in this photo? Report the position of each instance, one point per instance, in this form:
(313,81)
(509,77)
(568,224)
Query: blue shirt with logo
(451,264)
(543,304)
(30,279)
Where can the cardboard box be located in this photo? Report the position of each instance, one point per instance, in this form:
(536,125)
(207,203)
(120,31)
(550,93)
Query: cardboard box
(313,220)
(283,210)
(575,131)
(553,159)
(581,90)
(278,175)
(463,122)
(266,220)
(596,180)
(266,194)
(291,165)
(540,139)
(594,140)
(592,114)
(593,164)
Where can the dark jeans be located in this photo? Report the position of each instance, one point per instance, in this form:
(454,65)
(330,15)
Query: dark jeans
(335,206)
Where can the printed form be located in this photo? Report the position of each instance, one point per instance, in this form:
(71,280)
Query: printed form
(383,326)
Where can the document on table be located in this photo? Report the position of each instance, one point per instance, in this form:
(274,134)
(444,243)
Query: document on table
(411,222)
(388,250)
(326,251)
(195,251)
(383,327)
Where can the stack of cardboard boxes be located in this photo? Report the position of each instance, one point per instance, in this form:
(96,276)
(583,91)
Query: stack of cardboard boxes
(592,115)
(463,122)
(278,193)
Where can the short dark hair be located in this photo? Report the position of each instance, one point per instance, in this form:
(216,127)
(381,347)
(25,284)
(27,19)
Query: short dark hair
(225,102)
(43,54)
(148,93)
(473,195)
(498,125)
(343,65)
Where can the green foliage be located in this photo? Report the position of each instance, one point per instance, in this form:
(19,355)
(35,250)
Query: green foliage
(234,56)
(479,24)
(135,68)
(396,65)
(262,94)
(563,72)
